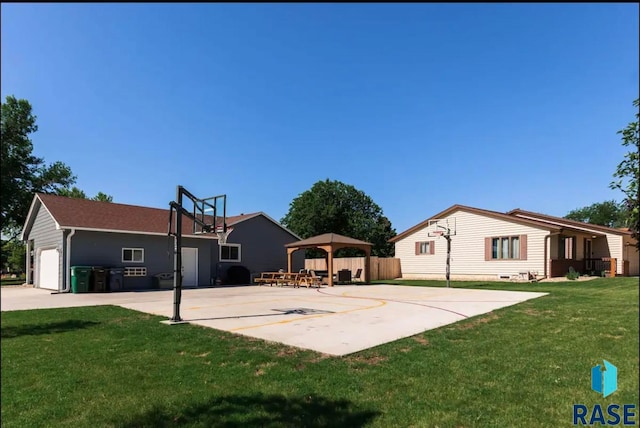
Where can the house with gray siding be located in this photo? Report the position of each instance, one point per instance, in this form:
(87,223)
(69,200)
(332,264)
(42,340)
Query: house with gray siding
(62,232)
(490,245)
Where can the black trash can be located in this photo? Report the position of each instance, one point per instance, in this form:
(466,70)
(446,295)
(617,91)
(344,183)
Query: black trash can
(99,279)
(116,279)
(344,275)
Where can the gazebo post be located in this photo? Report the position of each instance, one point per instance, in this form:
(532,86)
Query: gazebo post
(367,265)
(290,252)
(330,266)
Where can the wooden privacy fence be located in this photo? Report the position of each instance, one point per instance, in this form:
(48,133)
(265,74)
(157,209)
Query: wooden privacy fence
(381,268)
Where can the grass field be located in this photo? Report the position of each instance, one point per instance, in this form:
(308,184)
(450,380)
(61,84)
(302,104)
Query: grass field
(524,366)
(11,281)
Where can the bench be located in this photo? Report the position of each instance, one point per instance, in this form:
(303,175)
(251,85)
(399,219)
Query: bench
(268,278)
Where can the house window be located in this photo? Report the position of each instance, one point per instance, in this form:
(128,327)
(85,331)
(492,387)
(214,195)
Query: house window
(135,271)
(505,248)
(133,255)
(515,247)
(566,247)
(426,247)
(230,253)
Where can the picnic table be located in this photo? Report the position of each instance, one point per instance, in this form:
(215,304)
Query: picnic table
(288,278)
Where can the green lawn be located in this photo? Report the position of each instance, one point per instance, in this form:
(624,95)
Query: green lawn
(11,281)
(523,366)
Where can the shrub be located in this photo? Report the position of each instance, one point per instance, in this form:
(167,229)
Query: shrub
(572,274)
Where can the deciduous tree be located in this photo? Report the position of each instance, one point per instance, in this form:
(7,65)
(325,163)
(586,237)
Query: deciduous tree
(74,192)
(336,207)
(627,174)
(13,256)
(607,213)
(22,173)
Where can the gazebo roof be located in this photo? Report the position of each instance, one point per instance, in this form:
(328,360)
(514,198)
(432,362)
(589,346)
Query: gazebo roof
(328,239)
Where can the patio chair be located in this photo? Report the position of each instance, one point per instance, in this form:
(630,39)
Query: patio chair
(357,276)
(313,279)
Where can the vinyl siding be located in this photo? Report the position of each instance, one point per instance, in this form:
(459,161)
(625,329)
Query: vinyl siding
(105,249)
(631,254)
(262,246)
(468,249)
(45,236)
(610,247)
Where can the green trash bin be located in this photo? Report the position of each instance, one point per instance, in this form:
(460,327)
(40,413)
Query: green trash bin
(80,279)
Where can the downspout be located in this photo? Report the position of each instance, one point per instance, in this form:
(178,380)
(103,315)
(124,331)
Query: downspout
(546,262)
(67,265)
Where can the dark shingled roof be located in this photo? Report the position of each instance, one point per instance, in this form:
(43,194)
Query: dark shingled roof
(109,216)
(326,239)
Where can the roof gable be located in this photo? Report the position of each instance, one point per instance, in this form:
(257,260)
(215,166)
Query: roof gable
(479,211)
(34,209)
(85,214)
(327,238)
(566,222)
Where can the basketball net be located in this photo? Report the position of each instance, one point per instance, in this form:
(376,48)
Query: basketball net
(222,235)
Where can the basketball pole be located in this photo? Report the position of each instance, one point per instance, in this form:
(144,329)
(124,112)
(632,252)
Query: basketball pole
(177,256)
(447,236)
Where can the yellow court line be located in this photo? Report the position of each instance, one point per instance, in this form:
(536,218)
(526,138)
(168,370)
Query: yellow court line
(296,299)
(425,296)
(224,305)
(380,303)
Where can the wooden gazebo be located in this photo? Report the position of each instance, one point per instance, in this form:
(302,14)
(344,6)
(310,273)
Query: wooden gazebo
(331,242)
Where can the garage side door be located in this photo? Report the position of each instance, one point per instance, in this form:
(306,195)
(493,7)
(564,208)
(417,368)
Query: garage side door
(189,266)
(49,269)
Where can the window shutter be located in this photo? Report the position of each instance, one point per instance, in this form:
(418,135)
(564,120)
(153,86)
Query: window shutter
(523,247)
(417,248)
(432,247)
(487,249)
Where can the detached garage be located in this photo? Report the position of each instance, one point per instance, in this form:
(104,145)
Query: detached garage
(62,232)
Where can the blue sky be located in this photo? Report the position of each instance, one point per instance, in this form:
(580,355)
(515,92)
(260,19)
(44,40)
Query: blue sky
(421,106)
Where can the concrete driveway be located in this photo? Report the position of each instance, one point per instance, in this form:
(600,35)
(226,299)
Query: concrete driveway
(336,321)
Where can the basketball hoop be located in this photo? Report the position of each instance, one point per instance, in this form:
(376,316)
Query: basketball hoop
(436,233)
(222,235)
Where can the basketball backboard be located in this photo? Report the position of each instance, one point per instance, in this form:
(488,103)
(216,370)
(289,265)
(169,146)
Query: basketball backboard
(212,212)
(442,227)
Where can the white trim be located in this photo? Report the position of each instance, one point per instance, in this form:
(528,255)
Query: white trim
(261,213)
(239,246)
(132,255)
(132,232)
(427,245)
(566,225)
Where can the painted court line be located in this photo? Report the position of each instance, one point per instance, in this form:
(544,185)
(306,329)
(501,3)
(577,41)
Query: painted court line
(381,303)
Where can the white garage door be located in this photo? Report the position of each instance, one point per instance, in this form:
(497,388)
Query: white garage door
(49,269)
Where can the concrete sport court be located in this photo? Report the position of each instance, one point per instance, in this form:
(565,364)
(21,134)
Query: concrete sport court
(336,321)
